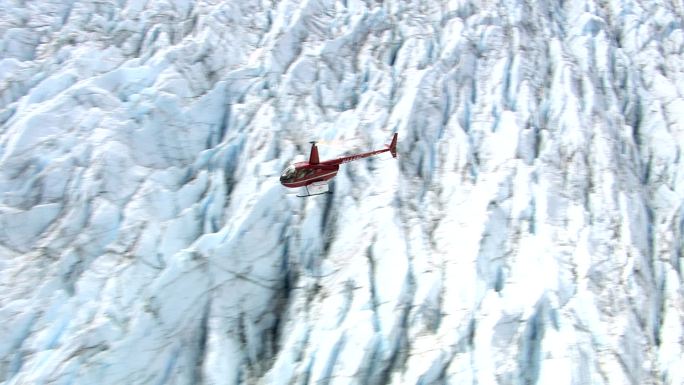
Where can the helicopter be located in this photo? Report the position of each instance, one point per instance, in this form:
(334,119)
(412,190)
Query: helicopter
(314,174)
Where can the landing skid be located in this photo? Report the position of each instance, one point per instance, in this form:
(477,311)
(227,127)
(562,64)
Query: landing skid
(317,188)
(313,195)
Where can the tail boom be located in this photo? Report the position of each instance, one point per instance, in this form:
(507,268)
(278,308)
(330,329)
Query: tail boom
(392,148)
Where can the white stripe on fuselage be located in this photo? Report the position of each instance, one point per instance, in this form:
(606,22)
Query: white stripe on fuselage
(316,177)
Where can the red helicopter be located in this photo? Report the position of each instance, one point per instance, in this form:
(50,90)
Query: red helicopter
(314,174)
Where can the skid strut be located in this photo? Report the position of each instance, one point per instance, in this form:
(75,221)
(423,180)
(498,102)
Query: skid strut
(317,188)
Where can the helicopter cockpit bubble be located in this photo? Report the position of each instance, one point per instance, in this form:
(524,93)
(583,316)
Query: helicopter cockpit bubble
(288,174)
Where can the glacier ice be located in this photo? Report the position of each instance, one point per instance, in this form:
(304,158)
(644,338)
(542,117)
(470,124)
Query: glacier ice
(530,231)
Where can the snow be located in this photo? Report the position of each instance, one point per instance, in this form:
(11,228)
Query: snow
(529,232)
(20,227)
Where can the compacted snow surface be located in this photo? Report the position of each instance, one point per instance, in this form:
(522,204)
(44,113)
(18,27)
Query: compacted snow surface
(530,231)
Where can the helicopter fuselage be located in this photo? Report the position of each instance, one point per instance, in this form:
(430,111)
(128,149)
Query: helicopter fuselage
(303,174)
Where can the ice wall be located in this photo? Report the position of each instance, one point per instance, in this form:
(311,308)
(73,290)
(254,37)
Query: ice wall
(530,231)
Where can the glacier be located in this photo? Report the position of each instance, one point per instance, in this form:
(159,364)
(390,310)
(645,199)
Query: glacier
(531,230)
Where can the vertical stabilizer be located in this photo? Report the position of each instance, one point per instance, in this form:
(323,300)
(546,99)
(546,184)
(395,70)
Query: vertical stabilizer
(393,146)
(313,158)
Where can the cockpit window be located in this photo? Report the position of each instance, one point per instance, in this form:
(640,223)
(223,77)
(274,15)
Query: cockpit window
(291,173)
(301,173)
(288,174)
